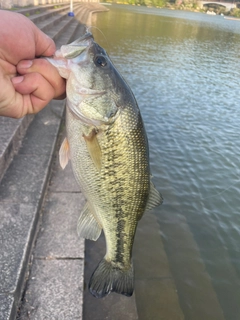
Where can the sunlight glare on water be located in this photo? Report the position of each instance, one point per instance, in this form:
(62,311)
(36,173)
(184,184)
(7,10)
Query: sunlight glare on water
(184,69)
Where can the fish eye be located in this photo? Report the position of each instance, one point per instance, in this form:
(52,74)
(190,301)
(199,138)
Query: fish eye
(100,61)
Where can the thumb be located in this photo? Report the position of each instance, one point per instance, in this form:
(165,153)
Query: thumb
(45,46)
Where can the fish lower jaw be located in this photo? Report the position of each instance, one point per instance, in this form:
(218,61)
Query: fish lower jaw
(90,92)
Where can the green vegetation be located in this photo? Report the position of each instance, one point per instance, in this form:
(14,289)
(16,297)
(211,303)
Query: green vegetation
(148,3)
(235,12)
(171,4)
(14,8)
(190,5)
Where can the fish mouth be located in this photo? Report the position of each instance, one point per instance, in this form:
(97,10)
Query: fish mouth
(74,49)
(87,36)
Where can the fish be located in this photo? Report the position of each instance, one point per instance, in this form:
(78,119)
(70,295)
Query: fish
(107,144)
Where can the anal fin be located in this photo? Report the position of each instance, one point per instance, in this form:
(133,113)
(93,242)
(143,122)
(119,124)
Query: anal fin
(155,198)
(87,226)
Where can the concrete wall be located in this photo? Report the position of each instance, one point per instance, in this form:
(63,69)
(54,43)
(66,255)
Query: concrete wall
(7,4)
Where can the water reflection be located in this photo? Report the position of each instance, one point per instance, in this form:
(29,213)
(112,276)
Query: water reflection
(184,69)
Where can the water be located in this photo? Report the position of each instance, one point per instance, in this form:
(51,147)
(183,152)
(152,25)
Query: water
(184,69)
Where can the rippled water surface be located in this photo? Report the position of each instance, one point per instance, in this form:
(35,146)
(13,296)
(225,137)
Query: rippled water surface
(184,69)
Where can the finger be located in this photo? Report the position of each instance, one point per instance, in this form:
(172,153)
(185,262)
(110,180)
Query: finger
(20,106)
(46,70)
(41,93)
(7,69)
(12,103)
(45,46)
(7,91)
(34,84)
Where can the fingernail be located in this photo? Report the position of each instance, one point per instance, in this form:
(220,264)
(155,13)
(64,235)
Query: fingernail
(16,80)
(25,64)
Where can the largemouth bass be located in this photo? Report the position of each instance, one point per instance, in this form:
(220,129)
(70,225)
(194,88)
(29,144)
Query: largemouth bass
(108,147)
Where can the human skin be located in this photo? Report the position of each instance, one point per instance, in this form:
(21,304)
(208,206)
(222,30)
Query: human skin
(27,83)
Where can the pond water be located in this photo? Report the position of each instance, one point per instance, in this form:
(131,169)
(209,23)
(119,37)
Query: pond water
(184,69)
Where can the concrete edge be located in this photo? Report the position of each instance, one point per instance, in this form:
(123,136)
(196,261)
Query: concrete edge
(24,268)
(14,143)
(41,8)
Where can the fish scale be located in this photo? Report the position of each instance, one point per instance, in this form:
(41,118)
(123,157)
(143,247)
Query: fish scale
(124,176)
(107,144)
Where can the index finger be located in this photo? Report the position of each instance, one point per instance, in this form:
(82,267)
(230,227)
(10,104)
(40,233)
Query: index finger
(48,71)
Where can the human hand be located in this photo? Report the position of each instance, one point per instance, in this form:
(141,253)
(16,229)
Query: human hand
(25,86)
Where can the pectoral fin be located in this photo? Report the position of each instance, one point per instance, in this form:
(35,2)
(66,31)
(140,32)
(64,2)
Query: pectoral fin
(64,153)
(94,148)
(88,226)
(155,198)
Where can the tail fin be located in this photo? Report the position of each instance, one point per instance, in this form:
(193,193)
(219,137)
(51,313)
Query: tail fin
(107,278)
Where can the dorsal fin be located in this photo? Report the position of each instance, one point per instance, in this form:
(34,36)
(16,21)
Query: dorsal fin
(87,226)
